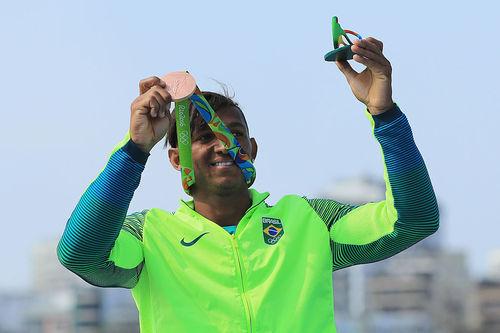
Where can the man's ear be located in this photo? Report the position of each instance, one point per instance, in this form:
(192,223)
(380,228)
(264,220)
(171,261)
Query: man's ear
(254,148)
(173,156)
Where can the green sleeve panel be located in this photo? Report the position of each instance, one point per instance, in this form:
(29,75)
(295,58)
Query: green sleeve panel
(409,213)
(127,251)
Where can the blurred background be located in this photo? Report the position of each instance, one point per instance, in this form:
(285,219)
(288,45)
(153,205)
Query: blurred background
(70,69)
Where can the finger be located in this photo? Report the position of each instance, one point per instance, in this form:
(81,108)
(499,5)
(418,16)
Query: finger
(164,93)
(377,42)
(366,53)
(371,64)
(140,105)
(366,44)
(142,110)
(161,102)
(154,106)
(163,98)
(346,69)
(146,84)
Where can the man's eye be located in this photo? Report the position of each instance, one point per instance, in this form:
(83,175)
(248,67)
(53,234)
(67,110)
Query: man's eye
(237,134)
(205,137)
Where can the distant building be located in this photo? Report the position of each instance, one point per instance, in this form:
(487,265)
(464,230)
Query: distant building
(350,284)
(489,305)
(118,311)
(423,289)
(420,291)
(494,265)
(63,302)
(75,310)
(13,307)
(488,291)
(48,275)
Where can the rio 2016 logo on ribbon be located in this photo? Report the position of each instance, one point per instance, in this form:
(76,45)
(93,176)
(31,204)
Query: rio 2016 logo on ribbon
(272,230)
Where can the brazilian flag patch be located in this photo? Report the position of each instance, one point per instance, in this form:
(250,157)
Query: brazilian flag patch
(272,229)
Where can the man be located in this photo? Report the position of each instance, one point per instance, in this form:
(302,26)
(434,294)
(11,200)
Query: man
(271,269)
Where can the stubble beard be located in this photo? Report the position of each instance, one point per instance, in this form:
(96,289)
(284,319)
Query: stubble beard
(229,188)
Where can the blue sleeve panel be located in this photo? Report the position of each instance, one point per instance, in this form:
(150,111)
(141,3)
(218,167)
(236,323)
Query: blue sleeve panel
(95,223)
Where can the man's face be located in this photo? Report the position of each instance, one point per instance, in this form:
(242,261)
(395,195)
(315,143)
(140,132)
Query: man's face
(215,171)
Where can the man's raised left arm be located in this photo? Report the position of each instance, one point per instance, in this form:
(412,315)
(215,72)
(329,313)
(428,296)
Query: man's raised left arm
(409,213)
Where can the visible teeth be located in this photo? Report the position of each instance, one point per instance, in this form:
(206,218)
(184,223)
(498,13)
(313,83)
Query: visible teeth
(223,163)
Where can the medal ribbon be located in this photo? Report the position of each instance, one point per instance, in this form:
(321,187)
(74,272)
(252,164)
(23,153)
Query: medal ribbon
(221,132)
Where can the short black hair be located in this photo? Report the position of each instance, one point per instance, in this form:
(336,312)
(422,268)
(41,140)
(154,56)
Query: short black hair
(217,101)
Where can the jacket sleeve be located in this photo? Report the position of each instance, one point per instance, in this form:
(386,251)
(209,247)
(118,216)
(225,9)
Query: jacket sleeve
(100,243)
(409,213)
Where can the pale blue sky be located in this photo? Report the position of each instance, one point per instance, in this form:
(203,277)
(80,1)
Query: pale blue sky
(69,70)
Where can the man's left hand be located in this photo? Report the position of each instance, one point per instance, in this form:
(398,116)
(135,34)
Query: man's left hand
(372,86)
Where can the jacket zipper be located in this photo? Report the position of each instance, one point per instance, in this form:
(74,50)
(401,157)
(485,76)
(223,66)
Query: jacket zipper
(243,293)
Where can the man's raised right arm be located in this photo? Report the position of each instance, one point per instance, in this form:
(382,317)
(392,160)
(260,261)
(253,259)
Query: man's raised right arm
(96,244)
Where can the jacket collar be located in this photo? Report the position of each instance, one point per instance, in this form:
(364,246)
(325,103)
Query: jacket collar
(187,207)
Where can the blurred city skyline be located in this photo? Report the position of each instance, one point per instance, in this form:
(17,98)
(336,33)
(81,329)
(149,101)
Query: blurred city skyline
(70,71)
(426,288)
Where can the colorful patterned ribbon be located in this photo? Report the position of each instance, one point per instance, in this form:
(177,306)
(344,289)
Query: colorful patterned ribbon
(221,132)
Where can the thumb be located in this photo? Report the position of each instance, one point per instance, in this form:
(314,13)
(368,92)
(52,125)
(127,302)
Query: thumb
(346,69)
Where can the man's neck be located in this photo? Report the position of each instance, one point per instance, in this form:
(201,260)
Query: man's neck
(223,209)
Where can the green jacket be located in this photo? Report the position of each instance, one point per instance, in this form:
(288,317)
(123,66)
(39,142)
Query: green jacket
(187,274)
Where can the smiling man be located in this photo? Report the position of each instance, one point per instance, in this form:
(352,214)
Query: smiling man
(227,261)
(219,181)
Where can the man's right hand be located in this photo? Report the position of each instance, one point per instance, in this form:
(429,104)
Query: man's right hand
(150,114)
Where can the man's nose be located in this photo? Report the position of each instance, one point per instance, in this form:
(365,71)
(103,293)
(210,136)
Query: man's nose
(219,147)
